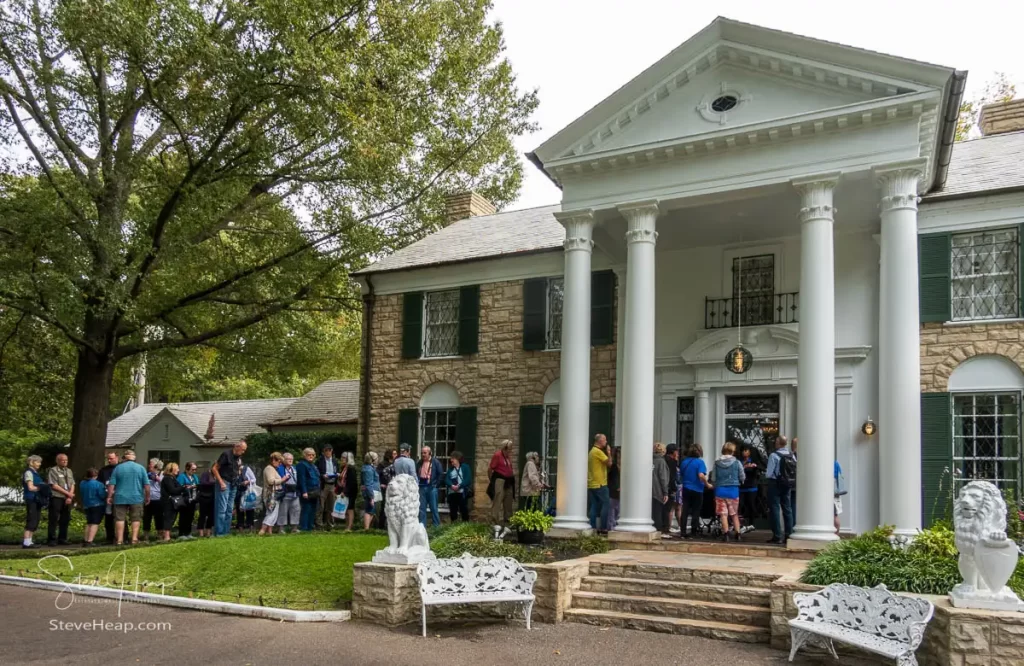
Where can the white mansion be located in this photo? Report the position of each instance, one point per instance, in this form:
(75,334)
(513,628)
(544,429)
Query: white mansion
(752,188)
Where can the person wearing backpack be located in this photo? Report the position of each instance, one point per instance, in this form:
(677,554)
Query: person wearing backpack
(781,477)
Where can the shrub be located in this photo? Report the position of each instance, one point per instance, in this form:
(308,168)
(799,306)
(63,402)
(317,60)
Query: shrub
(938,541)
(531,520)
(580,546)
(476,539)
(262,444)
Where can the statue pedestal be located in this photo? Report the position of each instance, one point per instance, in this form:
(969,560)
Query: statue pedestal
(414,557)
(963,596)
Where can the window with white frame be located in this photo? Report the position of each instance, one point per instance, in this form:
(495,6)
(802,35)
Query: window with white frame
(986,438)
(438,415)
(984,276)
(441,323)
(555,295)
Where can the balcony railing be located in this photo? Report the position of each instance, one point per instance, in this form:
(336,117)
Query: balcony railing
(758,310)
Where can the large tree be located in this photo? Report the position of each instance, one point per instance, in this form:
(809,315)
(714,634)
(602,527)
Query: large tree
(184,170)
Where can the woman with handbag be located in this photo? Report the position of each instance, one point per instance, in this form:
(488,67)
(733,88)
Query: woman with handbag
(172,500)
(348,485)
(186,515)
(371,489)
(245,516)
(205,494)
(273,493)
(459,484)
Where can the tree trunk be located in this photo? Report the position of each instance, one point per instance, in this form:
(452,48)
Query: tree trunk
(93,381)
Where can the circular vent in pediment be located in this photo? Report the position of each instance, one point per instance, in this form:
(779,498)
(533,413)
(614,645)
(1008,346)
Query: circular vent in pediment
(724,103)
(728,99)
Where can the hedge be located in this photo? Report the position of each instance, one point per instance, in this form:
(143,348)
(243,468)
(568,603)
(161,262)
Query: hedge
(262,444)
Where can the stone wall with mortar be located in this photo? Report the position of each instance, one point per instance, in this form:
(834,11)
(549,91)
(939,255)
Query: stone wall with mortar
(945,346)
(497,380)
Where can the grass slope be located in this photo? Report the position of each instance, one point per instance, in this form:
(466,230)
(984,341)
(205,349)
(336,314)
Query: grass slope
(299,568)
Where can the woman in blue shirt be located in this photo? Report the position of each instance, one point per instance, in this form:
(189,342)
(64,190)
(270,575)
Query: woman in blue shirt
(94,501)
(371,488)
(189,481)
(694,475)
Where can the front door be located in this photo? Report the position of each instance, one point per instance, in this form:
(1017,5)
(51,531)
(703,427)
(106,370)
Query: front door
(754,420)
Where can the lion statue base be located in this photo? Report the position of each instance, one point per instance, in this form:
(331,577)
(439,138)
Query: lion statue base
(407,538)
(987,557)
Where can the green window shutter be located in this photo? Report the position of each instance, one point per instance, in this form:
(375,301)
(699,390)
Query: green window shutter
(602,420)
(469,320)
(602,308)
(412,324)
(936,457)
(1020,268)
(535,296)
(465,435)
(531,432)
(934,283)
(409,428)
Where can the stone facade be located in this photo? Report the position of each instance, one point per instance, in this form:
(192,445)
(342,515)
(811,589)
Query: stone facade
(945,346)
(497,380)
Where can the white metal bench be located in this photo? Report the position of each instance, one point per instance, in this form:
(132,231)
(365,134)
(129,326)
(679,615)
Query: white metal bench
(873,619)
(473,580)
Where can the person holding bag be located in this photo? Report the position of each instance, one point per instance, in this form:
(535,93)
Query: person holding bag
(347,487)
(186,515)
(371,489)
(172,500)
(273,493)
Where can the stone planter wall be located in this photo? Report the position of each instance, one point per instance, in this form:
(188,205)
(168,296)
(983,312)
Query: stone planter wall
(554,587)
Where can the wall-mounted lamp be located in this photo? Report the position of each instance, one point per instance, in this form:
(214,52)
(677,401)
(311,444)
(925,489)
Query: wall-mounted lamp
(869,427)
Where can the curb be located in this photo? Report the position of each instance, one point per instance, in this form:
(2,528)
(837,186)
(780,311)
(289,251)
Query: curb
(208,605)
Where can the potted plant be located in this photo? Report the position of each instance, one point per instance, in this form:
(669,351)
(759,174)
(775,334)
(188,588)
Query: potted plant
(530,525)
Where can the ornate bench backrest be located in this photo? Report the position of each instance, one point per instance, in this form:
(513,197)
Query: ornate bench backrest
(875,611)
(468,575)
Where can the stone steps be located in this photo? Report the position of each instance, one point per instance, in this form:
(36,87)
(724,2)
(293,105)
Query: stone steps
(668,589)
(671,625)
(684,574)
(687,609)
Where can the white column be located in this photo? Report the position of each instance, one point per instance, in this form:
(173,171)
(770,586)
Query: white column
(620,348)
(638,359)
(816,363)
(574,398)
(705,426)
(899,395)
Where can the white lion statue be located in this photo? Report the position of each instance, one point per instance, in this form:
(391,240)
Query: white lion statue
(406,536)
(987,556)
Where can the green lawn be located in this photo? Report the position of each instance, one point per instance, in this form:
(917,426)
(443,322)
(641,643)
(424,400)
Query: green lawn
(296,567)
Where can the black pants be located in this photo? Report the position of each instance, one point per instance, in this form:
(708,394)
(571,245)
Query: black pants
(205,513)
(458,506)
(748,506)
(382,518)
(186,514)
(693,500)
(666,515)
(152,513)
(60,516)
(108,527)
(658,514)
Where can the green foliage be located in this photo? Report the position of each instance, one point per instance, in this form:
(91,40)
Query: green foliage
(870,559)
(12,525)
(531,520)
(477,539)
(262,444)
(578,546)
(938,541)
(16,447)
(1000,89)
(1014,525)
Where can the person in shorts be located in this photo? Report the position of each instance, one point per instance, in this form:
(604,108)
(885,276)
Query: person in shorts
(94,501)
(728,477)
(128,492)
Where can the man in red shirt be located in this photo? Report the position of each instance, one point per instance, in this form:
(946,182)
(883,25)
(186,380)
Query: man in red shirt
(503,482)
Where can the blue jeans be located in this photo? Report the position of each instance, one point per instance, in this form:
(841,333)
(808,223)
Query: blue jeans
(225,504)
(597,512)
(780,500)
(428,497)
(307,512)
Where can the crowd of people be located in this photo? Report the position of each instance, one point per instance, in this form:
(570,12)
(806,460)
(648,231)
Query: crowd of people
(323,491)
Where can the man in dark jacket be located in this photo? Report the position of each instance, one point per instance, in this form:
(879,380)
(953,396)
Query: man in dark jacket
(672,460)
(103,477)
(327,466)
(308,487)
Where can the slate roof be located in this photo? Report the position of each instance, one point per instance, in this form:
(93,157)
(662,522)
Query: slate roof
(982,165)
(514,232)
(233,419)
(334,401)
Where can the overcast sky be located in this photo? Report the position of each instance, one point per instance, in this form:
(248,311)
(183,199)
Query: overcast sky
(577,52)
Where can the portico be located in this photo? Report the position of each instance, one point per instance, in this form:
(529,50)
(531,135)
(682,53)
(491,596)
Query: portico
(727,156)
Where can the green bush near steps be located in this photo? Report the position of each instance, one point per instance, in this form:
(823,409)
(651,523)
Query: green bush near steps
(478,540)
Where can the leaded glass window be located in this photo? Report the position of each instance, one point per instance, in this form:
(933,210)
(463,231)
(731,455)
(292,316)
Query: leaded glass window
(984,275)
(549,456)
(986,438)
(753,289)
(441,323)
(556,290)
(684,431)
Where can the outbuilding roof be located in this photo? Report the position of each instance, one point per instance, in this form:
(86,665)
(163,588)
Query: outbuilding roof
(334,401)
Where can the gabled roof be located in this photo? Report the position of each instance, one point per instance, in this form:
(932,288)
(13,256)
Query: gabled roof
(233,419)
(334,401)
(983,165)
(486,236)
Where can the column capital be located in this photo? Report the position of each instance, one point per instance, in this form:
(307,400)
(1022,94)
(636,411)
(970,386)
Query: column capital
(898,182)
(579,229)
(816,195)
(641,221)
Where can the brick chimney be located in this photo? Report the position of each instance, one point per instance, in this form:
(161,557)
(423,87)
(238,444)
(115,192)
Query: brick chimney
(1002,117)
(461,205)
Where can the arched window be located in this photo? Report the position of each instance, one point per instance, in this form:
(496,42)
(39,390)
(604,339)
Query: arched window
(438,414)
(986,392)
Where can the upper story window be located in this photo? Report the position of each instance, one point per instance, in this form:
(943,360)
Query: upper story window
(543,300)
(984,275)
(441,323)
(553,332)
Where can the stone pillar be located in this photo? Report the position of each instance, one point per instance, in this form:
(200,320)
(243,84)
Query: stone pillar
(816,364)
(574,399)
(704,425)
(899,390)
(638,360)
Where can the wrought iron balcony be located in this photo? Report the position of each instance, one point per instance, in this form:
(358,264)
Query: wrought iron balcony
(756,310)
